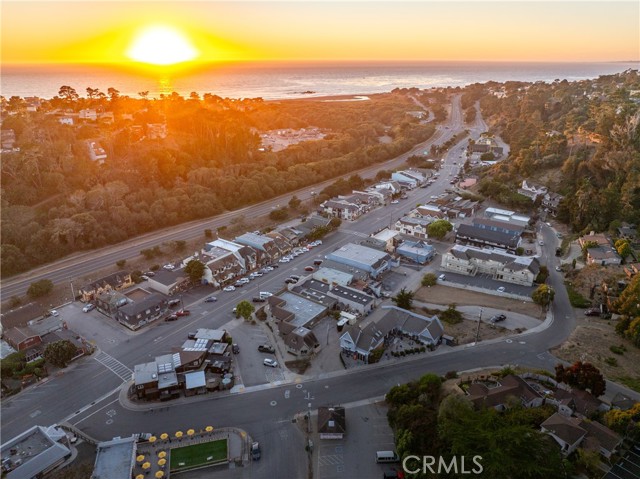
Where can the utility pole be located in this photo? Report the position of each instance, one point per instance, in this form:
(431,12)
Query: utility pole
(478,330)
(73,294)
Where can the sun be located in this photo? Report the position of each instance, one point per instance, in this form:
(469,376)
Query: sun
(160,45)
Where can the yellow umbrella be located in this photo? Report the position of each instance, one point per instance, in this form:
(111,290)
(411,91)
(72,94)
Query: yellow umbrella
(164,436)
(140,476)
(146,465)
(153,439)
(208,428)
(162,454)
(159,474)
(162,462)
(179,434)
(140,458)
(190,432)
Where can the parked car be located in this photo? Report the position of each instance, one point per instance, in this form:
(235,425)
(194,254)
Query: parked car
(501,289)
(144,277)
(295,276)
(53,312)
(308,268)
(266,348)
(183,312)
(169,267)
(558,268)
(192,335)
(441,277)
(497,318)
(211,299)
(235,349)
(290,281)
(255,451)
(541,243)
(239,284)
(173,302)
(395,202)
(151,274)
(258,299)
(229,288)
(172,317)
(88,307)
(317,262)
(592,312)
(272,363)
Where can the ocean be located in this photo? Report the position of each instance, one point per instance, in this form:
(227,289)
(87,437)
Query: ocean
(278,81)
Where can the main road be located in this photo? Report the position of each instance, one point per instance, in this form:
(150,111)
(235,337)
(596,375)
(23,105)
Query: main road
(80,265)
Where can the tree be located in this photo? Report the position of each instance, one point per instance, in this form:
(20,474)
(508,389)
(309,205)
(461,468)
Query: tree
(543,274)
(294,202)
(584,376)
(40,288)
(623,248)
(244,309)
(429,279)
(335,223)
(439,228)
(625,422)
(487,156)
(279,214)
(208,233)
(60,353)
(120,263)
(451,315)
(67,93)
(179,245)
(404,299)
(543,295)
(195,270)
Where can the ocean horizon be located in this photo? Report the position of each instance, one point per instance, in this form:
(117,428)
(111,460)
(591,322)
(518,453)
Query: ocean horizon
(272,81)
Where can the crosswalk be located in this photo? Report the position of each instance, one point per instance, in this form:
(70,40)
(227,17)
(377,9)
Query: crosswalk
(113,365)
(356,233)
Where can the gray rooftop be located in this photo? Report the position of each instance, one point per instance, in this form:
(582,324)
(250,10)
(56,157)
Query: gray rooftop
(37,449)
(145,373)
(352,295)
(331,275)
(115,459)
(195,379)
(359,253)
(304,309)
(168,278)
(210,334)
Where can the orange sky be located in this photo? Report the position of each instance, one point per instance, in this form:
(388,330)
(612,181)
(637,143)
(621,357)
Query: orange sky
(101,32)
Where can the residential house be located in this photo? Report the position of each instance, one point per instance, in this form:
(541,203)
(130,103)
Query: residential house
(114,282)
(417,227)
(603,255)
(22,338)
(470,235)
(301,342)
(497,397)
(594,238)
(572,432)
(389,238)
(312,223)
(260,242)
(369,198)
(383,195)
(108,302)
(342,209)
(361,342)
(468,183)
(500,266)
(281,242)
(430,212)
(88,114)
(416,251)
(392,186)
(96,151)
(332,422)
(532,190)
(493,224)
(21,316)
(551,202)
(629,232)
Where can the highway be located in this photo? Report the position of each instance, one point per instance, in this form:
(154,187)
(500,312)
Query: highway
(77,266)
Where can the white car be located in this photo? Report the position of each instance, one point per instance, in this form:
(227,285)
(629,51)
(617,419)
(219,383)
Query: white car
(395,202)
(272,363)
(284,260)
(53,312)
(169,267)
(88,307)
(501,289)
(541,243)
(229,288)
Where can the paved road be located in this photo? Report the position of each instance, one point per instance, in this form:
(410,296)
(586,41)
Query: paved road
(80,265)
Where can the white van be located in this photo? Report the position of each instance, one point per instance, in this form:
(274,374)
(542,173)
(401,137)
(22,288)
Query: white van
(265,294)
(387,456)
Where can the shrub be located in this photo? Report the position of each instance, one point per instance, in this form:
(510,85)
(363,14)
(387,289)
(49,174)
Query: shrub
(451,375)
(617,349)
(40,288)
(423,349)
(611,361)
(120,263)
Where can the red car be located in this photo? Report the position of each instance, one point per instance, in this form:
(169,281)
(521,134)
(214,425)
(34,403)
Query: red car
(183,312)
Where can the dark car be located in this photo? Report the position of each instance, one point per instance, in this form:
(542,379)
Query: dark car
(266,348)
(173,302)
(255,451)
(290,281)
(183,312)
(258,299)
(235,349)
(497,318)
(172,317)
(211,299)
(274,265)
(592,312)
(192,335)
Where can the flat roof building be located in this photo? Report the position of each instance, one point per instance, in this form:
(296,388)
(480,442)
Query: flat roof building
(115,459)
(373,261)
(306,312)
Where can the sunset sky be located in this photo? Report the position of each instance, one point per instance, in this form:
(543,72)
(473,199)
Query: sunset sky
(103,32)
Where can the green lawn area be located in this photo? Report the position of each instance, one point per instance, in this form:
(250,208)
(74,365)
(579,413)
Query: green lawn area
(575,298)
(198,455)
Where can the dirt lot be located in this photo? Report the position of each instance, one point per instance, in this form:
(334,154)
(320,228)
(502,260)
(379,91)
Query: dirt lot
(591,341)
(466,331)
(444,295)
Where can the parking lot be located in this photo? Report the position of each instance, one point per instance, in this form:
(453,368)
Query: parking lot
(354,456)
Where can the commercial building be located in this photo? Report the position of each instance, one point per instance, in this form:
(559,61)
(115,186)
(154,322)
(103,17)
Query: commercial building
(354,299)
(360,257)
(115,459)
(500,266)
(34,453)
(113,282)
(416,251)
(470,235)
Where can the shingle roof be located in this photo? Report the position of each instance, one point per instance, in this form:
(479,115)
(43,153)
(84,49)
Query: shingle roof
(566,429)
